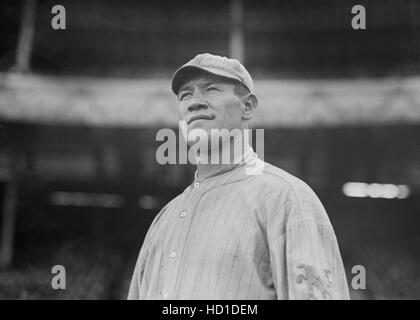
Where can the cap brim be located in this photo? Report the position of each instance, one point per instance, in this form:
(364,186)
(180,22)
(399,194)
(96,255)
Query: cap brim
(183,73)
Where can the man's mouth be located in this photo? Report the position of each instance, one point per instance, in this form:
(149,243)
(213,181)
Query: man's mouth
(200,117)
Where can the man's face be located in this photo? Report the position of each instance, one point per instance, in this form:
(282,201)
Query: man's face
(209,102)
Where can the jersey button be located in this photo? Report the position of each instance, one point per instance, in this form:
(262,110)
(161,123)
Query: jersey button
(196,184)
(182,214)
(173,254)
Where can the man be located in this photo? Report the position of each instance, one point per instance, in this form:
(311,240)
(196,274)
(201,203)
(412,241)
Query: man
(232,234)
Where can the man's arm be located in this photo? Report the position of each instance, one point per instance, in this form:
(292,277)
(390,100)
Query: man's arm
(135,284)
(138,274)
(304,253)
(314,266)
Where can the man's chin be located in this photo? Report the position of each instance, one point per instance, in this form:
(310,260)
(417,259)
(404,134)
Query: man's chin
(198,136)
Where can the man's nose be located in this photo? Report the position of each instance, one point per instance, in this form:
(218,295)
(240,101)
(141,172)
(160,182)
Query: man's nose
(196,103)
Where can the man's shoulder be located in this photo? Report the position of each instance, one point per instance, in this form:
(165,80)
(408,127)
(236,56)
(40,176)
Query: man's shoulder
(171,202)
(289,189)
(165,208)
(281,180)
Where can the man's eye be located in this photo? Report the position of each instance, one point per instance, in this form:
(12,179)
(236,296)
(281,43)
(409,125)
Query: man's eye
(212,89)
(182,96)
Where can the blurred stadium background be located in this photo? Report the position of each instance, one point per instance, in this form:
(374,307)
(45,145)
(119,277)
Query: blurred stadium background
(79,110)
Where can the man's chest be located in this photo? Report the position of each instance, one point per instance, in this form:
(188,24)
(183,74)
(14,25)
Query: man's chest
(219,224)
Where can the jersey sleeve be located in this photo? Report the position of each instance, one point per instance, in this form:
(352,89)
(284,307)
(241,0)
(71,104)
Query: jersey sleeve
(137,278)
(304,252)
(314,267)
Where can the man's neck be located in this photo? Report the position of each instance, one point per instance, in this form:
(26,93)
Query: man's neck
(205,170)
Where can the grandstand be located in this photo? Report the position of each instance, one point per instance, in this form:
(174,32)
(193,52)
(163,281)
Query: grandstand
(80,108)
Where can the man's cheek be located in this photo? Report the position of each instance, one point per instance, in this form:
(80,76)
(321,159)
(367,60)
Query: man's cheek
(182,110)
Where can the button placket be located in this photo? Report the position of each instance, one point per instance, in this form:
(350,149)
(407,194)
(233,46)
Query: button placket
(185,217)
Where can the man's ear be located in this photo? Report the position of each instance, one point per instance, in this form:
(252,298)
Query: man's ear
(250,104)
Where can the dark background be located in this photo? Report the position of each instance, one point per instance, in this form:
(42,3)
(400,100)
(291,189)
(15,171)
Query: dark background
(98,240)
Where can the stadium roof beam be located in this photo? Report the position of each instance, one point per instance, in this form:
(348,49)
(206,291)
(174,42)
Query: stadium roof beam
(149,102)
(236,37)
(26,36)
(8,215)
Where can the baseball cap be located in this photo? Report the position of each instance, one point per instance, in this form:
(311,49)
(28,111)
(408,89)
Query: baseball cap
(218,65)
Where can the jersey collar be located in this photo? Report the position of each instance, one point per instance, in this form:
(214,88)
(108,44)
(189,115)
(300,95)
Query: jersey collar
(247,156)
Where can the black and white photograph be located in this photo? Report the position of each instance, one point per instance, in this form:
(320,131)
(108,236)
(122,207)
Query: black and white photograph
(223,150)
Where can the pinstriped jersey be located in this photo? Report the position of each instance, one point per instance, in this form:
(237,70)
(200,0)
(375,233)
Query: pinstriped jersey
(240,236)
